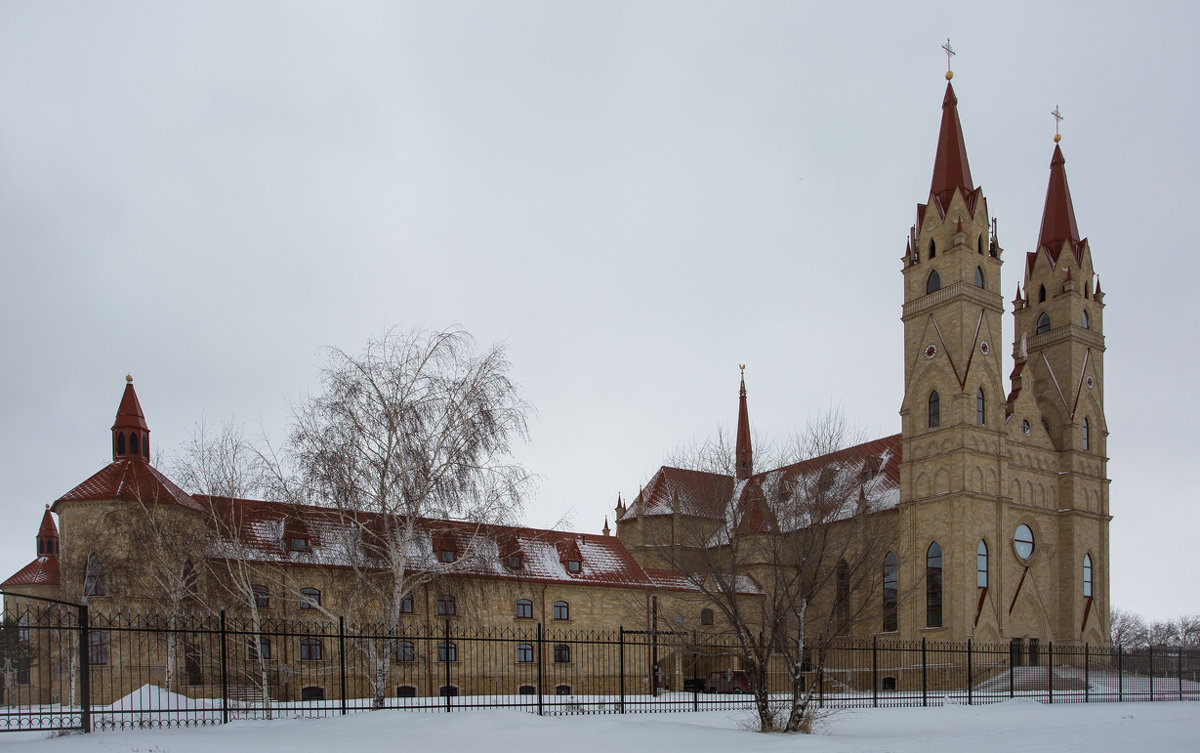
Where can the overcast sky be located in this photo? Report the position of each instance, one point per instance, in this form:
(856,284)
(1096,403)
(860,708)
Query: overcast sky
(636,197)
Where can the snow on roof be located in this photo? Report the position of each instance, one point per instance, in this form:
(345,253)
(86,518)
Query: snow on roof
(43,571)
(134,480)
(256,530)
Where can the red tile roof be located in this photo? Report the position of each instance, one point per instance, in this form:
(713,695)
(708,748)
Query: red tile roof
(43,571)
(951,170)
(133,479)
(256,528)
(875,464)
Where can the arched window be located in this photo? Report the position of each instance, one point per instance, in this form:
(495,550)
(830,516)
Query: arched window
(448,691)
(256,650)
(933,585)
(406,691)
(1087,435)
(405,651)
(979,244)
(447,651)
(1087,576)
(446,606)
(933,283)
(93,578)
(262,597)
(979,276)
(310,649)
(562,653)
(980,408)
(1042,294)
(1043,323)
(706,616)
(525,653)
(524,609)
(935,409)
(120,443)
(133,444)
(562,611)
(932,249)
(891,593)
(981,564)
(527,690)
(1084,321)
(562,690)
(406,605)
(310,598)
(843,597)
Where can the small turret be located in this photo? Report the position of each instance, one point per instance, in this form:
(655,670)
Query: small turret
(130,433)
(47,537)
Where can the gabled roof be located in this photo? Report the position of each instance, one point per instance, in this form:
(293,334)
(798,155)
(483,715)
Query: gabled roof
(43,571)
(874,464)
(132,479)
(256,527)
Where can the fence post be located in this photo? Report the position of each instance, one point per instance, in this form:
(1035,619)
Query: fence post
(446,684)
(1050,669)
(1087,671)
(342,657)
(85,671)
(820,673)
(1120,673)
(970,673)
(1179,669)
(924,675)
(621,664)
(1150,655)
(224,675)
(695,688)
(541,649)
(874,671)
(1012,669)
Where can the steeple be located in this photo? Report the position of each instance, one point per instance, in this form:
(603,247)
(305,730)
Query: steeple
(130,433)
(951,170)
(47,537)
(1058,216)
(744,455)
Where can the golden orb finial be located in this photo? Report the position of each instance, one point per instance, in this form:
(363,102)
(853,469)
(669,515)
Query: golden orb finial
(47,505)
(129,378)
(1057,137)
(949,75)
(742,367)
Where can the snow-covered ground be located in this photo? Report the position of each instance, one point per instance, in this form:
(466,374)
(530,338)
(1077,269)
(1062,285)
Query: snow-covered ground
(1019,725)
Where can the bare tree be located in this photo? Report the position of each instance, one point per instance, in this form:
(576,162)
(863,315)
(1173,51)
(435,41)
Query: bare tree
(416,428)
(810,534)
(1127,628)
(223,469)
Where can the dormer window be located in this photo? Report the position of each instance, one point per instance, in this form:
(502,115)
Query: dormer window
(297,544)
(513,562)
(574,566)
(445,547)
(446,555)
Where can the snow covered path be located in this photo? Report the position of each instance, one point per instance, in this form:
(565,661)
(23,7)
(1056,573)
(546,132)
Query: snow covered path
(1000,728)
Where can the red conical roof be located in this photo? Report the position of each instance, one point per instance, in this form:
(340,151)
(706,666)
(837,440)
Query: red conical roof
(951,170)
(744,455)
(129,413)
(1058,217)
(48,530)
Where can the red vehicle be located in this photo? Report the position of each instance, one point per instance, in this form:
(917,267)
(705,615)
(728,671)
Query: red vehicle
(728,681)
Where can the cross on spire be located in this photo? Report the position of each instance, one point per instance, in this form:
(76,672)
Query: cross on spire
(1057,119)
(949,54)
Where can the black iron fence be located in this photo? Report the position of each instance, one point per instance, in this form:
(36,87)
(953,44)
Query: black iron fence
(64,668)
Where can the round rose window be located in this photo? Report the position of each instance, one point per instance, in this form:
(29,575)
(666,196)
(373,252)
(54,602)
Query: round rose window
(1023,542)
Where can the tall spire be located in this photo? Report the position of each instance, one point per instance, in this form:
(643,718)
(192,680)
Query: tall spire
(130,433)
(744,455)
(1058,217)
(950,167)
